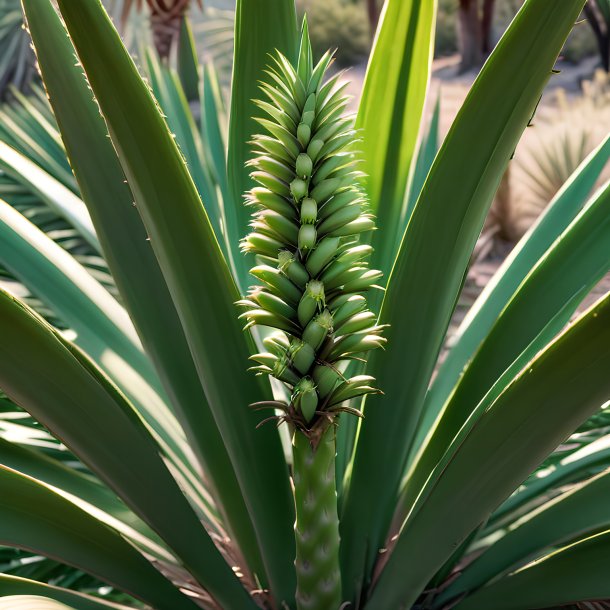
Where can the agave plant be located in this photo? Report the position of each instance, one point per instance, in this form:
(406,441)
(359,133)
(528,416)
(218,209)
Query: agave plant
(150,466)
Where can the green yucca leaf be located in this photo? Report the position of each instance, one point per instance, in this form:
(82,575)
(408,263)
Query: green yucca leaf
(390,111)
(550,396)
(12,585)
(561,279)
(182,237)
(34,517)
(58,528)
(575,467)
(569,575)
(71,391)
(261,27)
(59,198)
(576,512)
(31,602)
(134,266)
(67,480)
(188,64)
(102,327)
(555,219)
(442,231)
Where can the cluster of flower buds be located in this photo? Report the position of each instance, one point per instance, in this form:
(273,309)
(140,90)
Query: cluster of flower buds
(309,215)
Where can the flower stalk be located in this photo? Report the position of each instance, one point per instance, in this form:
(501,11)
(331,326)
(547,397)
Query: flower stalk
(309,215)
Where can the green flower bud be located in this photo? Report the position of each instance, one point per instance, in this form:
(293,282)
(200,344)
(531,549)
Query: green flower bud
(318,329)
(303,134)
(309,211)
(274,304)
(325,189)
(354,304)
(265,198)
(360,225)
(307,237)
(340,218)
(298,188)
(304,166)
(258,243)
(281,370)
(339,201)
(308,118)
(277,343)
(292,268)
(278,283)
(326,379)
(357,323)
(312,300)
(305,398)
(310,104)
(301,355)
(314,148)
(322,255)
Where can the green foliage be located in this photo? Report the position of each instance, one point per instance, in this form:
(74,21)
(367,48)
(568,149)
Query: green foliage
(579,45)
(446,42)
(16,56)
(338,24)
(132,468)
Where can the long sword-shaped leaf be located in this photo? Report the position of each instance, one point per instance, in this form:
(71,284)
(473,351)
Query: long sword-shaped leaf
(556,392)
(578,573)
(168,90)
(261,28)
(16,129)
(102,327)
(35,518)
(570,269)
(483,314)
(575,467)
(31,602)
(188,64)
(427,276)
(59,198)
(428,148)
(80,406)
(13,585)
(582,510)
(197,276)
(133,263)
(82,487)
(391,109)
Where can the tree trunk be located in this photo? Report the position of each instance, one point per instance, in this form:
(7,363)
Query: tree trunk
(486,26)
(600,30)
(469,35)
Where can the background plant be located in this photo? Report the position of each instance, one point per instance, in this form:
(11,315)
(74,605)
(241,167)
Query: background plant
(459,450)
(340,24)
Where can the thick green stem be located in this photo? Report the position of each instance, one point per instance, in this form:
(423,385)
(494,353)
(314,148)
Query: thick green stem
(317,524)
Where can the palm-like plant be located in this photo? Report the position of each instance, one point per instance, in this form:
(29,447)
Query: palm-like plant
(174,492)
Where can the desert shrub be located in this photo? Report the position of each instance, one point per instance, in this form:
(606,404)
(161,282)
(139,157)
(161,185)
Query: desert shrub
(557,143)
(580,44)
(338,24)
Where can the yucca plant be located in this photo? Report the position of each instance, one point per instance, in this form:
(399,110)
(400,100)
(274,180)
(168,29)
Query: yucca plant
(152,466)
